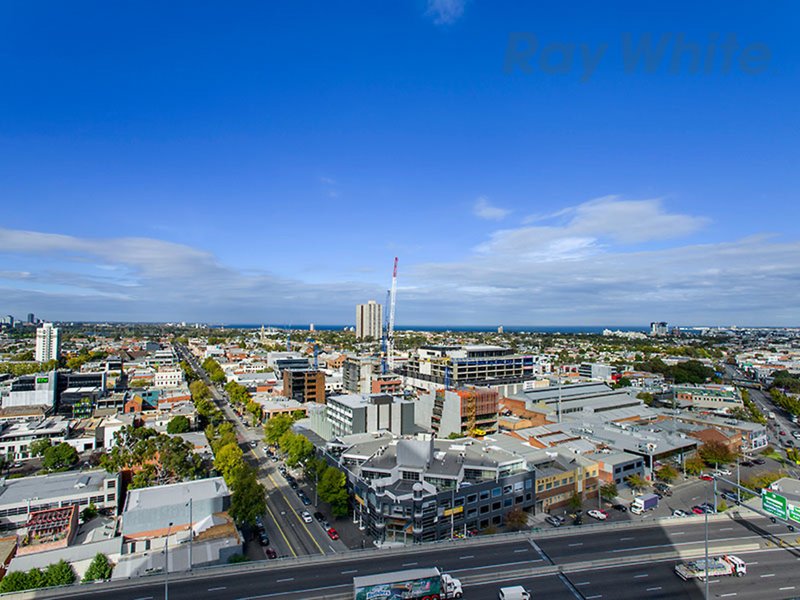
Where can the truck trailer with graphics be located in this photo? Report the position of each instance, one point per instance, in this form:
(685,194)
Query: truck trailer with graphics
(412,584)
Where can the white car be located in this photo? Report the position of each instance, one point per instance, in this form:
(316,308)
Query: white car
(722,472)
(597,514)
(306,516)
(679,513)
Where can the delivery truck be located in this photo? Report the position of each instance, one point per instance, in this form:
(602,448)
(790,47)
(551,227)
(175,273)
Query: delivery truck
(412,584)
(643,503)
(718,566)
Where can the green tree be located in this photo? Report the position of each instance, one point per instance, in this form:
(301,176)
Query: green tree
(667,473)
(694,465)
(714,453)
(16,581)
(227,460)
(39,445)
(516,519)
(248,499)
(575,502)
(99,569)
(275,428)
(199,391)
(636,482)
(297,448)
(59,573)
(609,492)
(178,424)
(59,458)
(89,513)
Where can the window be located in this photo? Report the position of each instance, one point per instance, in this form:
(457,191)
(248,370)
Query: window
(507,489)
(484,509)
(508,502)
(485,495)
(497,492)
(472,499)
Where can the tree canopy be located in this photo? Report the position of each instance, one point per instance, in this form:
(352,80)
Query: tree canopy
(178,424)
(59,458)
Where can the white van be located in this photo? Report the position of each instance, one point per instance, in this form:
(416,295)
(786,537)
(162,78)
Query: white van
(516,592)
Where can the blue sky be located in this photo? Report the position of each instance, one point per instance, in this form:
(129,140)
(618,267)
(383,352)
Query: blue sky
(264,162)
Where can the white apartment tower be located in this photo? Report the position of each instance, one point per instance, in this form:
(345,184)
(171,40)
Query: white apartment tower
(48,343)
(369,319)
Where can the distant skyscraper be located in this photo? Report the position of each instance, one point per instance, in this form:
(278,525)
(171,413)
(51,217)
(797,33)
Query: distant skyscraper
(369,319)
(31,318)
(48,343)
(658,328)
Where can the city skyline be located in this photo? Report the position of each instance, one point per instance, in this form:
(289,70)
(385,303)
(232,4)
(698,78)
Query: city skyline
(227,172)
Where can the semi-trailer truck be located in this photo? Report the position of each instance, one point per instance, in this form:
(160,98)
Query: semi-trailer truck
(412,584)
(718,566)
(643,503)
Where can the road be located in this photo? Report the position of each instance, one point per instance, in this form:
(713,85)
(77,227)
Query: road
(289,535)
(486,564)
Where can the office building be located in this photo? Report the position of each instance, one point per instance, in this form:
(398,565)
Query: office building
(596,371)
(369,320)
(426,489)
(357,373)
(467,411)
(658,329)
(33,390)
(31,319)
(432,366)
(716,398)
(357,413)
(21,497)
(48,343)
(304,385)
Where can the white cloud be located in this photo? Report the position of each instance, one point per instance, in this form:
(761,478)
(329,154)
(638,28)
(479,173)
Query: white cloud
(445,12)
(484,209)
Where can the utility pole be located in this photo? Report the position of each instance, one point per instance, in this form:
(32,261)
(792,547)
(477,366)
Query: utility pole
(166,563)
(705,512)
(191,533)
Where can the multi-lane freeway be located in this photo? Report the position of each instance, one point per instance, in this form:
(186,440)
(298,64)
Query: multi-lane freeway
(624,561)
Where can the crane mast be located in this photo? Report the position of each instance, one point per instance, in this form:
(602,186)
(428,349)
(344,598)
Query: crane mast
(392,301)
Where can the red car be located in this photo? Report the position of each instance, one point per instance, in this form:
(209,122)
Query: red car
(697,510)
(782,432)
(271,553)
(333,534)
(705,477)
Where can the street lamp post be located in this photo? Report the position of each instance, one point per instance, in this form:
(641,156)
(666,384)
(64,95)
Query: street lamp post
(705,512)
(191,533)
(166,563)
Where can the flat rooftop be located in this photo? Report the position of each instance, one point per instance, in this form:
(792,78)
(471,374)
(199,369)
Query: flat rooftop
(54,485)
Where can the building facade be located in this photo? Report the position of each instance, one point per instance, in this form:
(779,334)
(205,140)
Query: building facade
(48,343)
(304,385)
(369,320)
(356,413)
(466,411)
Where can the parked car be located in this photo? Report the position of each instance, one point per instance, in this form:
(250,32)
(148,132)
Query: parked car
(729,496)
(306,516)
(333,534)
(679,513)
(722,472)
(620,507)
(706,477)
(319,516)
(747,463)
(697,510)
(293,484)
(759,461)
(781,432)
(600,515)
(263,538)
(553,521)
(271,554)
(304,499)
(578,520)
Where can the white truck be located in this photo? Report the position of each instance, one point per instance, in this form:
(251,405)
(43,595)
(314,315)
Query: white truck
(718,566)
(413,584)
(514,592)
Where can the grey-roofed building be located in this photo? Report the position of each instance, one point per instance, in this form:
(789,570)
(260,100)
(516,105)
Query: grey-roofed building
(16,438)
(424,489)
(149,511)
(616,467)
(20,497)
(580,398)
(356,413)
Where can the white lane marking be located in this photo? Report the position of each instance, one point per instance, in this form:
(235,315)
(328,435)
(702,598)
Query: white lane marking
(594,597)
(785,589)
(626,539)
(768,575)
(466,557)
(144,598)
(653,589)
(727,529)
(641,575)
(284,580)
(584,583)
(726,595)
(350,571)
(412,564)
(575,544)
(217,589)
(679,533)
(520,550)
